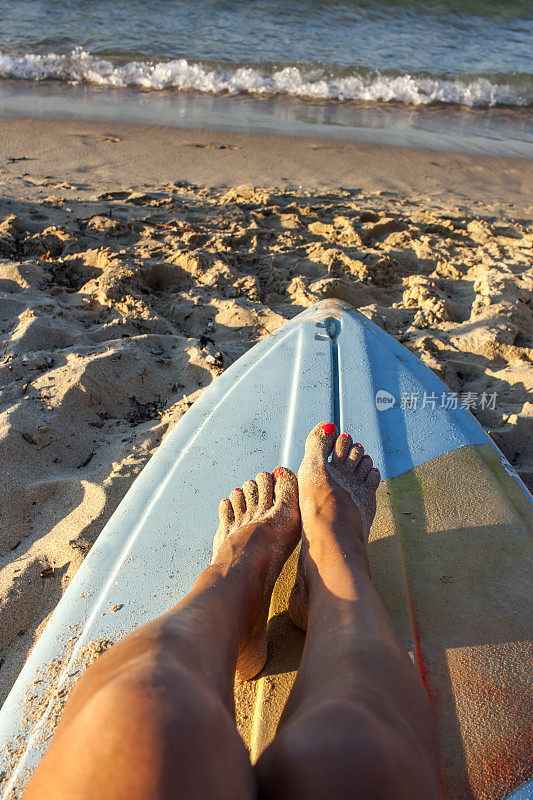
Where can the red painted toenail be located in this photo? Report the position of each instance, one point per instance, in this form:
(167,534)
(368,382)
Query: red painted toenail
(344,435)
(238,489)
(328,428)
(278,473)
(357,444)
(375,469)
(365,456)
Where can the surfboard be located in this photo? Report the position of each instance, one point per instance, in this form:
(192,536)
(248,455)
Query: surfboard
(449,548)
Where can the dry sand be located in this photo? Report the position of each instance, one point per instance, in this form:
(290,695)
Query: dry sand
(132,274)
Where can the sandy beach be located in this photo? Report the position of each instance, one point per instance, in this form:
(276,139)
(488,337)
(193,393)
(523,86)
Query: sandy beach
(137,263)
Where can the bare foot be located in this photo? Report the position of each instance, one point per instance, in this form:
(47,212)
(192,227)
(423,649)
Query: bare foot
(259,528)
(337,503)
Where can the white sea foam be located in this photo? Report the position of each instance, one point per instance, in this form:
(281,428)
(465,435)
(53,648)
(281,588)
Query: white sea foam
(290,81)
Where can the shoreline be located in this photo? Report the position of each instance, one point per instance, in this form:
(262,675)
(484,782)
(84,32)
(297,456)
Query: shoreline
(505,131)
(102,154)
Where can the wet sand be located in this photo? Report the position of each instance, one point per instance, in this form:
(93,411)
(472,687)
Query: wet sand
(137,263)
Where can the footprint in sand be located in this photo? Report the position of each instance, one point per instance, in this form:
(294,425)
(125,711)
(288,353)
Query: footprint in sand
(212,146)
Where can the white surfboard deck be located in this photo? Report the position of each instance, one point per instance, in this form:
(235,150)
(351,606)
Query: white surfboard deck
(329,363)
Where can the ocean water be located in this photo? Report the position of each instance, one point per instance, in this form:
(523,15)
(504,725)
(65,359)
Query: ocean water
(474,54)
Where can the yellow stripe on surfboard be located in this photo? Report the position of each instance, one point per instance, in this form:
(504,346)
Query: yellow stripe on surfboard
(449,553)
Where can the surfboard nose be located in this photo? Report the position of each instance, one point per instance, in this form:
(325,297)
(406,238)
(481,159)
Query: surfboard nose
(328,308)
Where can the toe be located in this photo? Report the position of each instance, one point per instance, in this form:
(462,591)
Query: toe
(225,513)
(265,488)
(373,478)
(341,449)
(355,455)
(251,496)
(239,503)
(321,440)
(285,487)
(363,468)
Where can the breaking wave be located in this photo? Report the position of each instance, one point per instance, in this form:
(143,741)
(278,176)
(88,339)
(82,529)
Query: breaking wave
(289,81)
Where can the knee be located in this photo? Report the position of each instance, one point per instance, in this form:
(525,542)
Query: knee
(157,702)
(312,741)
(338,747)
(148,728)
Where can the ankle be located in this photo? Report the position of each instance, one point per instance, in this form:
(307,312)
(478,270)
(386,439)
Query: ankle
(236,578)
(329,557)
(334,509)
(335,589)
(235,594)
(331,532)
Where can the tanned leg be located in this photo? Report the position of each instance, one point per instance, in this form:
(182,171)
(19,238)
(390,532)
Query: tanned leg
(358,723)
(153,718)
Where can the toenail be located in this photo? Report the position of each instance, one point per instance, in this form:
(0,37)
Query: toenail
(226,500)
(328,428)
(238,489)
(375,469)
(344,435)
(365,456)
(358,444)
(278,473)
